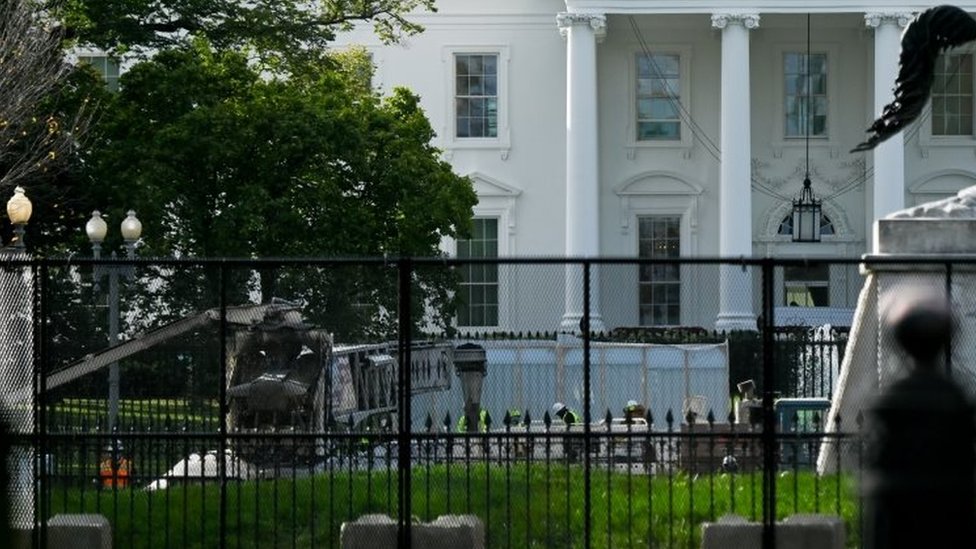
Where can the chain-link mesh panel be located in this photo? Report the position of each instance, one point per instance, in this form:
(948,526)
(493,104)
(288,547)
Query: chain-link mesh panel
(16,384)
(503,366)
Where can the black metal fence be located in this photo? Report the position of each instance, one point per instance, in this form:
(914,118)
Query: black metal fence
(227,417)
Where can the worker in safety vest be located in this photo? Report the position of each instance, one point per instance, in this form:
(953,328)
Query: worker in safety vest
(462,424)
(514,417)
(565,413)
(114,469)
(572,448)
(633,411)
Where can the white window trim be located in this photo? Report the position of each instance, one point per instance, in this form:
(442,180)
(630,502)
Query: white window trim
(495,200)
(660,193)
(684,53)
(449,138)
(926,139)
(780,141)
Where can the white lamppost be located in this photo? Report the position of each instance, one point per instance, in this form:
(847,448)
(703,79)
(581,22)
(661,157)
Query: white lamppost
(97,229)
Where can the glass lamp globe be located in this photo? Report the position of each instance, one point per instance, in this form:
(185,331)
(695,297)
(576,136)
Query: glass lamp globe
(96,228)
(131,227)
(19,207)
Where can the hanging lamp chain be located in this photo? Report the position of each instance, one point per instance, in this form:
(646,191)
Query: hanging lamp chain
(809,109)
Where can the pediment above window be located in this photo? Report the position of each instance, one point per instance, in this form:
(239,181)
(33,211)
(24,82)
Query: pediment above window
(657,183)
(947,182)
(485,186)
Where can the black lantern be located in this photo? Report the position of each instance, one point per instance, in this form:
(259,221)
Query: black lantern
(807,212)
(807,209)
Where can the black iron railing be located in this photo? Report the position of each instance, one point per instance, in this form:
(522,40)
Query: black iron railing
(236,428)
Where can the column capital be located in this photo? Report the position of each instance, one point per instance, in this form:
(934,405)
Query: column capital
(597,22)
(747,20)
(874,19)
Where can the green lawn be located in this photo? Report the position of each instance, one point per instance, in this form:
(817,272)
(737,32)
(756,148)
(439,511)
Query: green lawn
(73,413)
(522,506)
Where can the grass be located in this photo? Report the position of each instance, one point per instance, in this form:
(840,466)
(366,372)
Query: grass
(522,506)
(75,412)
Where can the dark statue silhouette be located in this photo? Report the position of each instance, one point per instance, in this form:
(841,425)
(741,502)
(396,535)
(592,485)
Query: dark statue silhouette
(928,35)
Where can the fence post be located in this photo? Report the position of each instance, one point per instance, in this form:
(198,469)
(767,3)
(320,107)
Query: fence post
(39,274)
(948,293)
(769,414)
(222,395)
(585,328)
(405,325)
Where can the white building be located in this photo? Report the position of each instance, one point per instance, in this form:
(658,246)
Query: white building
(621,127)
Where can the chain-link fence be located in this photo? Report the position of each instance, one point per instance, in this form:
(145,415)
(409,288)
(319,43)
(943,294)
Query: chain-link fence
(563,403)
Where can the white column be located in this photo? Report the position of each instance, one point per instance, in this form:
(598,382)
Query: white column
(582,168)
(735,194)
(889,157)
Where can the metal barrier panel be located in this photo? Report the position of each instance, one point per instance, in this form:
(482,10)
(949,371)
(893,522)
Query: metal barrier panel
(244,404)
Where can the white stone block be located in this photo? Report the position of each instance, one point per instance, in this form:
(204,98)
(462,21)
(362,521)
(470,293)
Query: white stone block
(446,532)
(795,532)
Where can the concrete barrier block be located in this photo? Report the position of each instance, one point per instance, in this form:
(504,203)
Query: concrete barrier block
(79,532)
(451,532)
(447,532)
(795,532)
(731,531)
(369,532)
(813,531)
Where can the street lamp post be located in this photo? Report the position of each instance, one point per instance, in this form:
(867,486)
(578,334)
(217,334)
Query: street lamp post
(471,366)
(97,229)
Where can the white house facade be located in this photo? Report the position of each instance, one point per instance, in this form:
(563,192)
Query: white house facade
(638,128)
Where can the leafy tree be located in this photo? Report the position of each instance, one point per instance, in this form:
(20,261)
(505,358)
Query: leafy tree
(265,25)
(225,161)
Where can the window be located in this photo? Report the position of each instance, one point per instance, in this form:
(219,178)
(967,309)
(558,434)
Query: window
(659,237)
(478,304)
(786,226)
(952,95)
(658,97)
(105,66)
(805,99)
(807,286)
(476,95)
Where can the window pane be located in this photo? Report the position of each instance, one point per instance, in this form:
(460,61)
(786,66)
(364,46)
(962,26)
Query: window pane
(663,108)
(952,95)
(807,286)
(477,127)
(478,305)
(476,95)
(658,87)
(659,285)
(805,95)
(105,66)
(644,108)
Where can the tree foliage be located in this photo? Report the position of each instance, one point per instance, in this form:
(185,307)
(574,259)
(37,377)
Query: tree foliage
(264,25)
(223,160)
